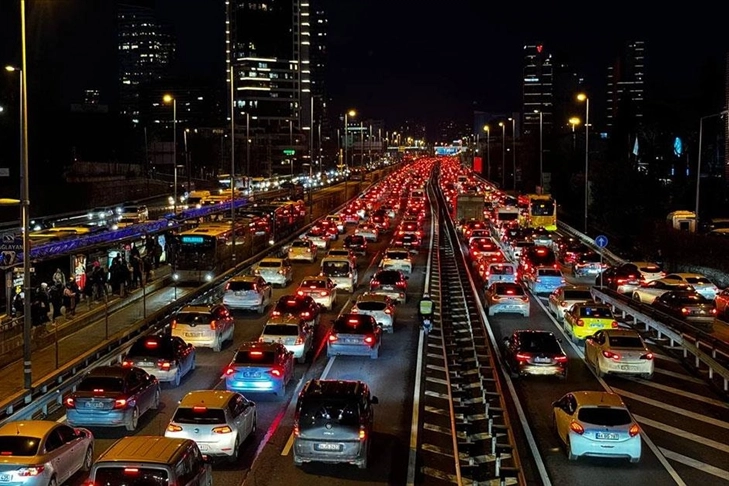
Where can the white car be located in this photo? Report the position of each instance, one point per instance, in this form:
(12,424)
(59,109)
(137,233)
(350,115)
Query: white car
(319,237)
(397,259)
(649,270)
(619,351)
(342,252)
(320,288)
(379,306)
(291,331)
(249,292)
(699,282)
(368,231)
(303,249)
(276,271)
(204,326)
(337,220)
(219,421)
(564,297)
(647,292)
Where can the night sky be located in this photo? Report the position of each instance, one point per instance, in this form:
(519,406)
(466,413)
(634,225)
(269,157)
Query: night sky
(398,59)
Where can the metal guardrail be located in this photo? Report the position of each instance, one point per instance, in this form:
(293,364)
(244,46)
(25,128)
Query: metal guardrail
(49,390)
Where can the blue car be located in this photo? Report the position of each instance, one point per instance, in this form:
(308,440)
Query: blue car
(545,280)
(112,396)
(260,367)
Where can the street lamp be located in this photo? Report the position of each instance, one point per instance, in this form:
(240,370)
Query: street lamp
(187,159)
(583,97)
(513,149)
(574,121)
(541,150)
(698,165)
(487,129)
(503,155)
(170,99)
(345,142)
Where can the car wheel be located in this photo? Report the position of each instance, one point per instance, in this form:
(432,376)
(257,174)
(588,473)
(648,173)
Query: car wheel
(636,297)
(375,353)
(156,400)
(133,420)
(254,427)
(646,376)
(362,464)
(598,371)
(88,460)
(568,448)
(194,363)
(177,378)
(491,312)
(261,309)
(53,482)
(218,344)
(236,451)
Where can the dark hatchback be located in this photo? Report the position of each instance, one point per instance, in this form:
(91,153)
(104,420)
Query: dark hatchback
(357,244)
(302,306)
(689,306)
(530,352)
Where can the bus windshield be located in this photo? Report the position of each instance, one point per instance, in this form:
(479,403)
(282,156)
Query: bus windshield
(542,207)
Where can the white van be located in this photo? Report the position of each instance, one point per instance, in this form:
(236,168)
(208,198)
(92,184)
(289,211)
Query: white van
(341,271)
(499,272)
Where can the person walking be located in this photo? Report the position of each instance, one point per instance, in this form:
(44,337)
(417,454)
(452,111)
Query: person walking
(70,295)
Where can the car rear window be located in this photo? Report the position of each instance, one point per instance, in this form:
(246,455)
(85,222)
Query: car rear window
(193,318)
(549,272)
(501,270)
(355,240)
(626,342)
(354,324)
(314,284)
(254,357)
(539,343)
(698,281)
(269,264)
(300,244)
(595,312)
(314,411)
(238,286)
(509,290)
(199,415)
(577,295)
(104,383)
(397,255)
(606,416)
(371,306)
(388,277)
(335,268)
(18,445)
(151,347)
(281,330)
(130,476)
(650,269)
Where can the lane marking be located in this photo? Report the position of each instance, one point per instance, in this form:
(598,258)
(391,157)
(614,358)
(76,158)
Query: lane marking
(701,466)
(672,408)
(680,376)
(676,391)
(683,434)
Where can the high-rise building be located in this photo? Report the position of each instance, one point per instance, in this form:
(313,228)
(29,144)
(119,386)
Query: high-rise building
(626,86)
(146,52)
(318,60)
(269,48)
(567,84)
(538,88)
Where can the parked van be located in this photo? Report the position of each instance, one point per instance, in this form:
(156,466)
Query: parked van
(151,460)
(499,272)
(341,271)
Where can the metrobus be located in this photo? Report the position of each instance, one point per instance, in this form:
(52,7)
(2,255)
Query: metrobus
(541,212)
(205,252)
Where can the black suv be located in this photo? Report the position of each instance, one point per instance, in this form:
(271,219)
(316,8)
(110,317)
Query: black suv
(333,422)
(357,244)
(302,306)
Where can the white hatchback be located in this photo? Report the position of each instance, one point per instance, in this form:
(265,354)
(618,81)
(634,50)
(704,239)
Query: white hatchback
(378,306)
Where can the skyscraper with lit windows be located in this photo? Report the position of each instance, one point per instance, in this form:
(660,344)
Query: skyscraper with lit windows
(626,86)
(538,88)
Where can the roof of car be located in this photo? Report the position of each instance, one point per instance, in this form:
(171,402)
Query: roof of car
(598,398)
(373,297)
(271,259)
(30,428)
(245,278)
(339,388)
(258,346)
(284,320)
(207,398)
(621,332)
(109,371)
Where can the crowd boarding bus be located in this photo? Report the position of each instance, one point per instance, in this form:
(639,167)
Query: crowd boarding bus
(542,212)
(205,252)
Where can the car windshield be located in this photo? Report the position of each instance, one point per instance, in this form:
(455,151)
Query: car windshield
(18,445)
(280,330)
(596,312)
(508,290)
(605,416)
(577,295)
(239,286)
(366,305)
(539,342)
(691,299)
(156,348)
(344,253)
(335,268)
(193,318)
(314,411)
(625,342)
(354,325)
(254,357)
(102,383)
(199,415)
(354,240)
(117,475)
(269,264)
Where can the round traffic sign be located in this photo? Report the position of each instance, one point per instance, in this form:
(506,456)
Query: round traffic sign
(601,241)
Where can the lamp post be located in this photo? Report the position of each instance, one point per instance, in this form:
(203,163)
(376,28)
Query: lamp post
(187,159)
(291,144)
(170,99)
(248,146)
(583,97)
(513,149)
(574,121)
(698,164)
(361,143)
(541,150)
(345,142)
(311,141)
(503,155)
(487,129)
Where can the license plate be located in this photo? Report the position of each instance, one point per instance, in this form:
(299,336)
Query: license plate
(328,447)
(94,405)
(607,436)
(5,478)
(627,367)
(597,324)
(542,360)
(203,447)
(193,334)
(252,374)
(388,287)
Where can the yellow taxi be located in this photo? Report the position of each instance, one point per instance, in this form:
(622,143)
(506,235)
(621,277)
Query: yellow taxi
(585,319)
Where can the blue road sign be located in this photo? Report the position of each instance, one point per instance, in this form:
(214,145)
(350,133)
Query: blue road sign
(601,241)
(11,243)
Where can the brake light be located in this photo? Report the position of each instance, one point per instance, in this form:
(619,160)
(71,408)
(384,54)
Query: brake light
(621,281)
(401,284)
(221,430)
(369,339)
(174,323)
(131,470)
(69,402)
(713,311)
(31,470)
(580,322)
(227,286)
(561,358)
(174,428)
(333,338)
(577,428)
(300,292)
(120,403)
(164,365)
(524,298)
(276,372)
(299,340)
(297,431)
(388,311)
(324,293)
(647,356)
(229,371)
(614,324)
(127,364)
(634,430)
(611,355)
(522,356)
(362,433)
(374,283)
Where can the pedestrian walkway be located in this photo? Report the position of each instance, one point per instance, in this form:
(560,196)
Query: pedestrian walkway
(56,346)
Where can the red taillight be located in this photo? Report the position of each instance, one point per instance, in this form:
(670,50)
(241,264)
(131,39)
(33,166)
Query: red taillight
(300,292)
(611,355)
(221,430)
(303,314)
(577,428)
(164,365)
(297,430)
(614,324)
(69,402)
(374,283)
(229,371)
(174,323)
(388,311)
(227,286)
(401,283)
(324,293)
(634,430)
(580,322)
(524,298)
(299,340)
(362,433)
(29,471)
(560,359)
(647,356)
(369,339)
(213,325)
(713,311)
(120,403)
(276,372)
(333,338)
(127,363)
(621,281)
(522,356)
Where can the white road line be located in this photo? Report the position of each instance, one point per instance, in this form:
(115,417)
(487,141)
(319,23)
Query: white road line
(664,357)
(656,451)
(676,391)
(673,409)
(680,376)
(701,466)
(683,434)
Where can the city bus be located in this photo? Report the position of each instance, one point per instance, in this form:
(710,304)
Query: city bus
(205,252)
(541,212)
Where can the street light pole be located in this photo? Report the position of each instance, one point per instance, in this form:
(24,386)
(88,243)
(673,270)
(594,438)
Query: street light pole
(248,146)
(187,159)
(25,209)
(583,97)
(503,155)
(574,121)
(487,129)
(233,231)
(513,149)
(167,99)
(698,164)
(311,142)
(541,151)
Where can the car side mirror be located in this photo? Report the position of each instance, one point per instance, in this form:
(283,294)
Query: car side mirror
(374,400)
